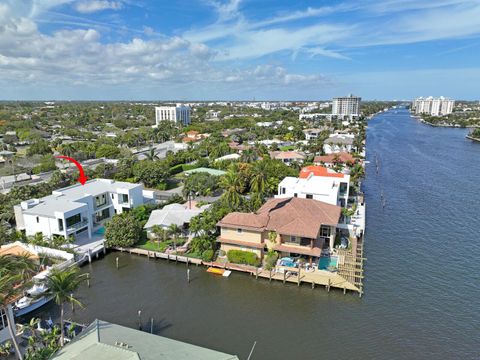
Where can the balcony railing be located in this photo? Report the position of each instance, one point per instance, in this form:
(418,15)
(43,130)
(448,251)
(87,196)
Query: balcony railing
(77,226)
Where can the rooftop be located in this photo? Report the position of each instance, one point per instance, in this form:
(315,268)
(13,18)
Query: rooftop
(105,341)
(173,214)
(65,199)
(288,216)
(319,171)
(214,172)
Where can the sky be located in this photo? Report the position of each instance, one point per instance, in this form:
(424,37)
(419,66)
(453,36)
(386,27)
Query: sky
(238,49)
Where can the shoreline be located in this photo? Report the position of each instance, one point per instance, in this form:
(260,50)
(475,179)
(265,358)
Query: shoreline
(472,138)
(456,126)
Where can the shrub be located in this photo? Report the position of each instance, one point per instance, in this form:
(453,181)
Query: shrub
(270,260)
(207,255)
(243,257)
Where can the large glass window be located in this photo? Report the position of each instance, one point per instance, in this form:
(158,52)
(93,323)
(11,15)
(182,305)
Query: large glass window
(100,200)
(60,224)
(102,215)
(123,198)
(72,220)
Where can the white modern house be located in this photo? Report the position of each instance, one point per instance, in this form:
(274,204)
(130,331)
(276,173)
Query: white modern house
(433,106)
(317,183)
(347,106)
(338,143)
(79,208)
(179,114)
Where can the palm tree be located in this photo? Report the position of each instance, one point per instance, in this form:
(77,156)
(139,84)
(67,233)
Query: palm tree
(259,178)
(151,154)
(232,185)
(15,273)
(61,285)
(174,230)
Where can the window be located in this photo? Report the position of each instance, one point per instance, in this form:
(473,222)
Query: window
(309,196)
(102,215)
(60,224)
(295,195)
(38,219)
(239,231)
(325,231)
(123,198)
(100,200)
(112,196)
(3,319)
(72,220)
(283,190)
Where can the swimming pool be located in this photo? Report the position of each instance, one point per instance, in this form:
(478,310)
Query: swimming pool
(100,231)
(289,262)
(326,262)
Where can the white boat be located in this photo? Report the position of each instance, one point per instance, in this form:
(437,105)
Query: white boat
(33,298)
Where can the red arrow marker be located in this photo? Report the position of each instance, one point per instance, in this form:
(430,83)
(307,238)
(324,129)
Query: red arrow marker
(82,179)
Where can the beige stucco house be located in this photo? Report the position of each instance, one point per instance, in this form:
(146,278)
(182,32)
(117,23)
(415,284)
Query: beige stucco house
(291,226)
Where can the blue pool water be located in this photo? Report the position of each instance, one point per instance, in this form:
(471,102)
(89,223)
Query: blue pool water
(327,261)
(100,231)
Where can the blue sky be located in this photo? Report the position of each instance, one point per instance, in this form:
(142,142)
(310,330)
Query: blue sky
(238,49)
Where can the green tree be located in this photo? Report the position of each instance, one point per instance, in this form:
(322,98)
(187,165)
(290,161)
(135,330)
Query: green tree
(107,151)
(40,147)
(15,273)
(61,285)
(151,173)
(174,230)
(231,184)
(122,230)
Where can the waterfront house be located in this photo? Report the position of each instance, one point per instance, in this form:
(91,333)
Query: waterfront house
(338,143)
(79,209)
(178,214)
(331,160)
(317,183)
(102,340)
(292,226)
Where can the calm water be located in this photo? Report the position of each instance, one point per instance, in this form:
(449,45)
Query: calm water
(422,293)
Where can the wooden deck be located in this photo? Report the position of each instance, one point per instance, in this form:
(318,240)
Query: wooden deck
(347,278)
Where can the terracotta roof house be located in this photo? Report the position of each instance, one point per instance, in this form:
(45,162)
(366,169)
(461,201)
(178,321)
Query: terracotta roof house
(336,158)
(300,227)
(288,157)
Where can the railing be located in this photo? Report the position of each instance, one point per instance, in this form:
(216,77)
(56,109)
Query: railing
(77,226)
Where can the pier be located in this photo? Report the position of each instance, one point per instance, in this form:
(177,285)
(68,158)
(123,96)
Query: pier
(348,277)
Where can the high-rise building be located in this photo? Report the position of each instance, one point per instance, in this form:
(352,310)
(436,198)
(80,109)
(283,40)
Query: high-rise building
(346,106)
(180,114)
(433,106)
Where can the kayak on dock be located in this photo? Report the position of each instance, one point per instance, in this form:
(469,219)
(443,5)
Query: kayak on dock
(216,271)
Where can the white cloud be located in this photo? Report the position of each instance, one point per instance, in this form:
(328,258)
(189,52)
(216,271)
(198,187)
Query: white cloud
(90,6)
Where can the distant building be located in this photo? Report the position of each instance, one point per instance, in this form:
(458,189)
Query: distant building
(433,106)
(338,143)
(180,114)
(348,106)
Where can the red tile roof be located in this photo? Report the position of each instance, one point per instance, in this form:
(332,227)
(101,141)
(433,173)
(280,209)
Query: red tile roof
(318,171)
(288,216)
(341,157)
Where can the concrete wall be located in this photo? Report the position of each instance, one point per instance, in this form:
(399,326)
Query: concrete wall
(245,235)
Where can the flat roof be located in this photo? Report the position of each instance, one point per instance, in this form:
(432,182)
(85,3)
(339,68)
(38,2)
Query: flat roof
(65,199)
(102,340)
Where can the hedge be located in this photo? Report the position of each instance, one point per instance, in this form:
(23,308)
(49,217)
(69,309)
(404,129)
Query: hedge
(182,167)
(243,257)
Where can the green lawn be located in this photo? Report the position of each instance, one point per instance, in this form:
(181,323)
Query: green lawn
(287,148)
(149,245)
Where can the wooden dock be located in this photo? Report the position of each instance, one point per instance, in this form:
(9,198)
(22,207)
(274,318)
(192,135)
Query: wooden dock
(345,279)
